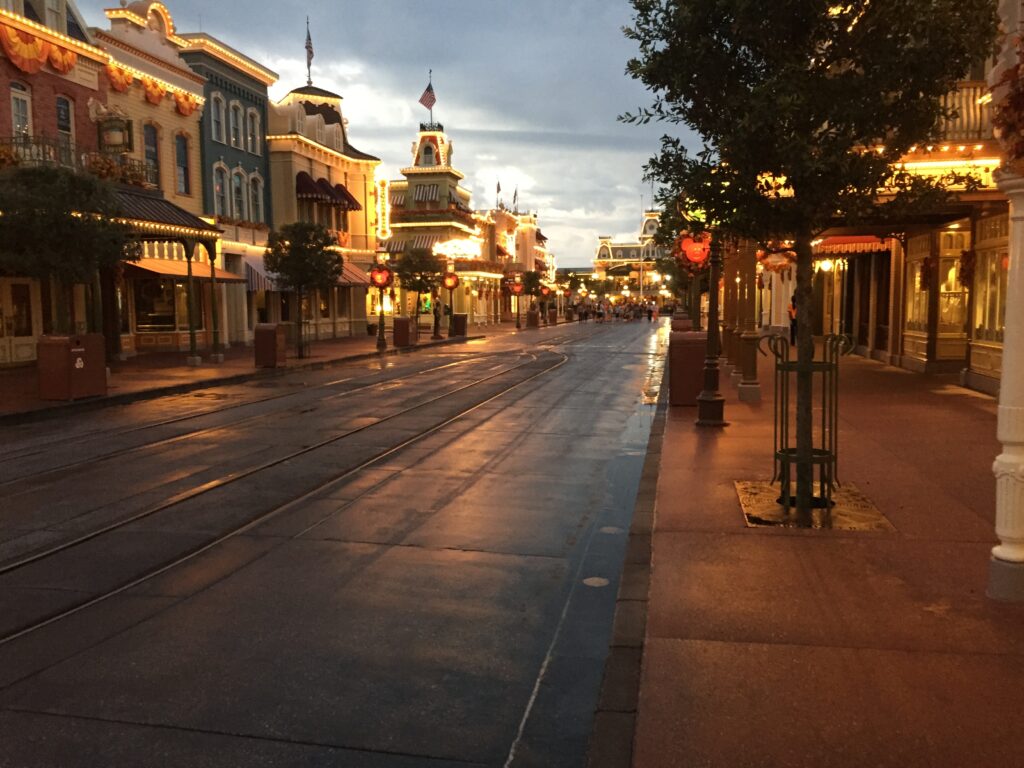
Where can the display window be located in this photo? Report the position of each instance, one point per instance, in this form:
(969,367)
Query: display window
(161,305)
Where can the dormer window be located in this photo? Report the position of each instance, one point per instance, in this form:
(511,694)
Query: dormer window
(428,154)
(55,15)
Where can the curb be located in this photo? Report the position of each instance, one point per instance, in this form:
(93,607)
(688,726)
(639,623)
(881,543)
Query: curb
(96,403)
(611,738)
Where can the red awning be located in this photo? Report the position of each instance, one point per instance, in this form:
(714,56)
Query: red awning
(349,202)
(352,275)
(852,244)
(307,189)
(330,195)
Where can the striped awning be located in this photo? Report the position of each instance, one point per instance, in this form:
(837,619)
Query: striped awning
(307,189)
(395,245)
(348,200)
(426,193)
(852,244)
(256,275)
(178,268)
(398,199)
(351,275)
(426,242)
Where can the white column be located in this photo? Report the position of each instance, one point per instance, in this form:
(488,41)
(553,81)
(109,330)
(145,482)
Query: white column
(1007,575)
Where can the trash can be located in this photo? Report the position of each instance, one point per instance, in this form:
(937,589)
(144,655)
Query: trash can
(461,320)
(569,315)
(404,335)
(681,322)
(686,352)
(552,316)
(71,367)
(270,342)
(371,329)
(533,318)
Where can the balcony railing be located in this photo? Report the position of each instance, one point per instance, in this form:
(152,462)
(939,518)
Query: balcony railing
(45,150)
(974,117)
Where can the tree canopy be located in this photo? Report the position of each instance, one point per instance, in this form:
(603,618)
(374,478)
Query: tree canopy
(299,256)
(55,223)
(418,270)
(802,110)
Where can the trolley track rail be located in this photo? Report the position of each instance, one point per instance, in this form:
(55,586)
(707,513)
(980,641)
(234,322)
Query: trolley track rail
(261,517)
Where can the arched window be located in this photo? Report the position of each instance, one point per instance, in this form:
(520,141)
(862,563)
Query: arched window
(21,110)
(252,132)
(238,195)
(235,123)
(151,153)
(220,192)
(217,118)
(256,199)
(181,165)
(428,154)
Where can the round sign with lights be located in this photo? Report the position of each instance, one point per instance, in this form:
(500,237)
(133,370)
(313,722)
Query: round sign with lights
(451,281)
(380,276)
(544,290)
(516,288)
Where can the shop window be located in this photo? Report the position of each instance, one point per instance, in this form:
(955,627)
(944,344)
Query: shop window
(990,273)
(154,305)
(181,305)
(21,110)
(916,297)
(181,165)
(952,296)
(341,298)
(150,141)
(324,304)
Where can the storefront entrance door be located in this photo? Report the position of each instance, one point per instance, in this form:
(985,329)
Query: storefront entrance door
(20,320)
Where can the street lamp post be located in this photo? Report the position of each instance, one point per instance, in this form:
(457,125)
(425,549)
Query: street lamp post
(451,282)
(710,403)
(516,287)
(381,277)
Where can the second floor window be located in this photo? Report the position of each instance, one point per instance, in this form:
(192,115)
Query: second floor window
(65,121)
(235,123)
(253,133)
(238,195)
(217,119)
(184,184)
(151,146)
(220,192)
(256,200)
(21,110)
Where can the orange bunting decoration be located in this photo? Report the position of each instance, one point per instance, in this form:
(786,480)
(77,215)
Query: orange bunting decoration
(62,60)
(186,103)
(26,51)
(120,79)
(154,91)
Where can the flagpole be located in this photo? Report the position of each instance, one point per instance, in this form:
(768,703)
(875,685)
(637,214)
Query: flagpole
(309,55)
(430,82)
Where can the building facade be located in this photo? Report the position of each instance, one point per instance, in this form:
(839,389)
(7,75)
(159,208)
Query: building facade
(235,163)
(318,176)
(51,70)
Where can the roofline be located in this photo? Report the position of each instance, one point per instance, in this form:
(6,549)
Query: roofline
(204,43)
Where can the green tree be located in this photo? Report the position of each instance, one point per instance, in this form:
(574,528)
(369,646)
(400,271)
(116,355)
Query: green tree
(61,226)
(420,271)
(802,112)
(301,258)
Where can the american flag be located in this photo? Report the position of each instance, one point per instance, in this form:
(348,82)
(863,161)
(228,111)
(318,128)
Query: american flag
(309,46)
(428,99)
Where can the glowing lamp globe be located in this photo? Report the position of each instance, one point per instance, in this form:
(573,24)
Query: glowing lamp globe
(696,251)
(380,276)
(544,290)
(451,281)
(516,288)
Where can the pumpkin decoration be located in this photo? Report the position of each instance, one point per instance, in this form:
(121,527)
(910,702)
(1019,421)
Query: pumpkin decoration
(120,78)
(155,91)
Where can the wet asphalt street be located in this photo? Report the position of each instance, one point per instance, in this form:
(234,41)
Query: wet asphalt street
(410,561)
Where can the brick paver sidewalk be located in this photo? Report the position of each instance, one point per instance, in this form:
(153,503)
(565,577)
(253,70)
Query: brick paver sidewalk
(780,647)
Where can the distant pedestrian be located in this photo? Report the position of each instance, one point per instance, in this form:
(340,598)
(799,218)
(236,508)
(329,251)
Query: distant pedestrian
(792,321)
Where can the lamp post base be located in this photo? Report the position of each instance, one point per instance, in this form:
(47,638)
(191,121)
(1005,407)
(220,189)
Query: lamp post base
(711,410)
(1006,581)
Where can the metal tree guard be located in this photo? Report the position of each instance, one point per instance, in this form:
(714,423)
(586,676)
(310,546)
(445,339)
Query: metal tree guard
(825,453)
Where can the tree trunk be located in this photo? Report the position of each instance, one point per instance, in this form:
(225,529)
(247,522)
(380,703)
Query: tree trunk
(804,381)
